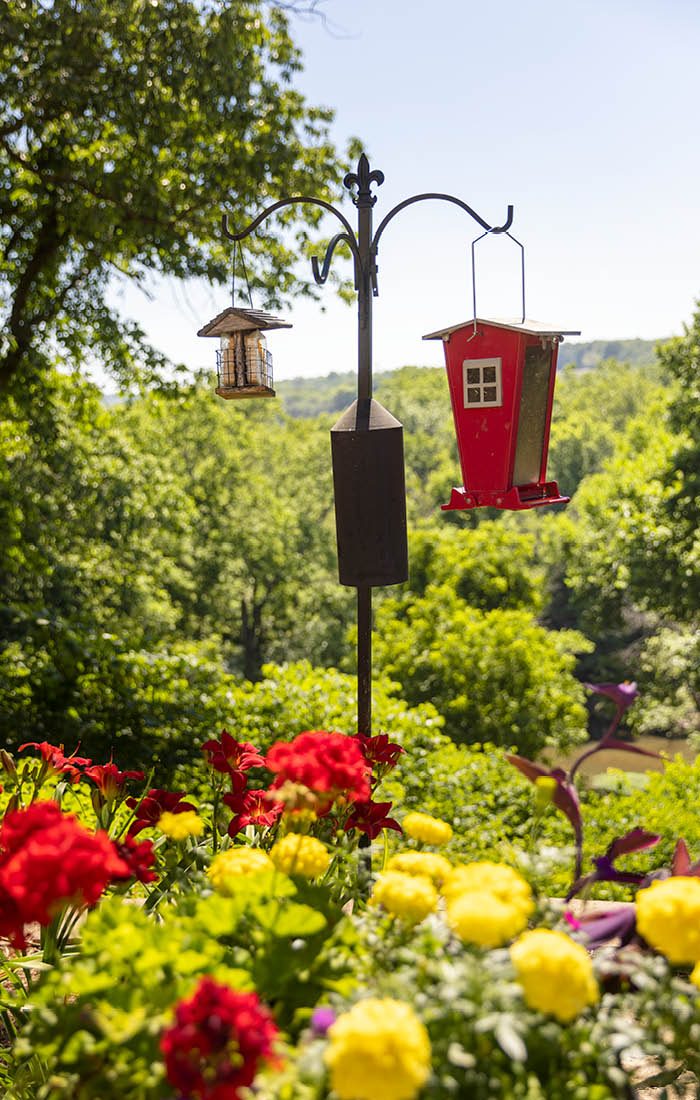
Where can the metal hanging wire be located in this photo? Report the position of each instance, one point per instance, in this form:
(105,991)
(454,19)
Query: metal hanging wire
(476,240)
(245,274)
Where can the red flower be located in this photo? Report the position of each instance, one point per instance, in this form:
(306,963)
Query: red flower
(109,779)
(253,808)
(11,923)
(217,1042)
(327,763)
(19,826)
(48,859)
(380,750)
(370,818)
(153,805)
(139,858)
(54,756)
(229,755)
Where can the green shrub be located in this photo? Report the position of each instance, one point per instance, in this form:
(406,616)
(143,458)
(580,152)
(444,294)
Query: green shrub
(494,676)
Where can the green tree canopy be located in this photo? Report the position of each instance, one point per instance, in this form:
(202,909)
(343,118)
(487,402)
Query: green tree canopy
(126,127)
(494,676)
(681,357)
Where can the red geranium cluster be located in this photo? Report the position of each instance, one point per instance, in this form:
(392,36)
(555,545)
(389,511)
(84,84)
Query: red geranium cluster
(249,806)
(48,859)
(218,1040)
(331,765)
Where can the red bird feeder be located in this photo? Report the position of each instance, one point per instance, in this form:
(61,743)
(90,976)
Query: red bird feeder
(501,377)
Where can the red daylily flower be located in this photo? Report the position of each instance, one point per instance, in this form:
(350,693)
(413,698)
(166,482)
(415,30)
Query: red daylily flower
(153,805)
(54,756)
(229,755)
(253,808)
(380,750)
(139,857)
(371,818)
(109,780)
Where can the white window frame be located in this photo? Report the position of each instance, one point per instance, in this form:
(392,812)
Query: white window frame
(481,364)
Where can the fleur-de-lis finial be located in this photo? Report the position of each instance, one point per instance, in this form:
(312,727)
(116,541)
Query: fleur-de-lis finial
(362,179)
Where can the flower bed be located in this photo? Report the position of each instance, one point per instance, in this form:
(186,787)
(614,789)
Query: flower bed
(291,936)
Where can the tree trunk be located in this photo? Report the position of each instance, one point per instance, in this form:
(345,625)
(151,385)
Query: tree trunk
(21,322)
(252,639)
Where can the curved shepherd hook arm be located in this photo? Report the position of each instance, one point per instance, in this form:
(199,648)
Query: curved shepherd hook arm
(447,198)
(348,236)
(321,274)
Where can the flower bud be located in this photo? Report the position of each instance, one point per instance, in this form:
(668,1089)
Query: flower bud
(545,789)
(7,764)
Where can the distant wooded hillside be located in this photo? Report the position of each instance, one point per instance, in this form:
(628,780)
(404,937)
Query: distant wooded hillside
(637,353)
(305,397)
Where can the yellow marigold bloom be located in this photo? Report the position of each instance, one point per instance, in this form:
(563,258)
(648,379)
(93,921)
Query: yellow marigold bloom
(483,918)
(296,854)
(494,878)
(695,976)
(668,916)
(299,821)
(228,868)
(409,896)
(180,826)
(555,973)
(379,1050)
(429,830)
(428,864)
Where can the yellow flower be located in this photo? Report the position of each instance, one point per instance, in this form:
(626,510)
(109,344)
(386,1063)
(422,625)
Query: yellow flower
(546,788)
(299,821)
(695,976)
(429,830)
(668,916)
(428,864)
(227,869)
(409,896)
(495,878)
(180,826)
(379,1050)
(300,855)
(555,973)
(483,918)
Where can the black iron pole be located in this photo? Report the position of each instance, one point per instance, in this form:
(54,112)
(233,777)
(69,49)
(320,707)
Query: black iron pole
(364,201)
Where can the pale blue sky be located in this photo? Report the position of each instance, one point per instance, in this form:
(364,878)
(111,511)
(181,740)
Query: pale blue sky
(584,116)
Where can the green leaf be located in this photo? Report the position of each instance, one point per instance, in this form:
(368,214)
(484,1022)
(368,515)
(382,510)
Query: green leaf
(288,920)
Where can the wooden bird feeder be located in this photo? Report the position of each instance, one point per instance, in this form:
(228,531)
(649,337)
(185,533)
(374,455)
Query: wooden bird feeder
(243,362)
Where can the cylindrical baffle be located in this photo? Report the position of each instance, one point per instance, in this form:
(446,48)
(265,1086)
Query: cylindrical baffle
(370,496)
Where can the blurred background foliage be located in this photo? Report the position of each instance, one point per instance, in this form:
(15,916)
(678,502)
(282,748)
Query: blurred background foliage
(158,554)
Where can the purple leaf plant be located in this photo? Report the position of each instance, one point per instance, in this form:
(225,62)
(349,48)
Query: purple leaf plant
(565,796)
